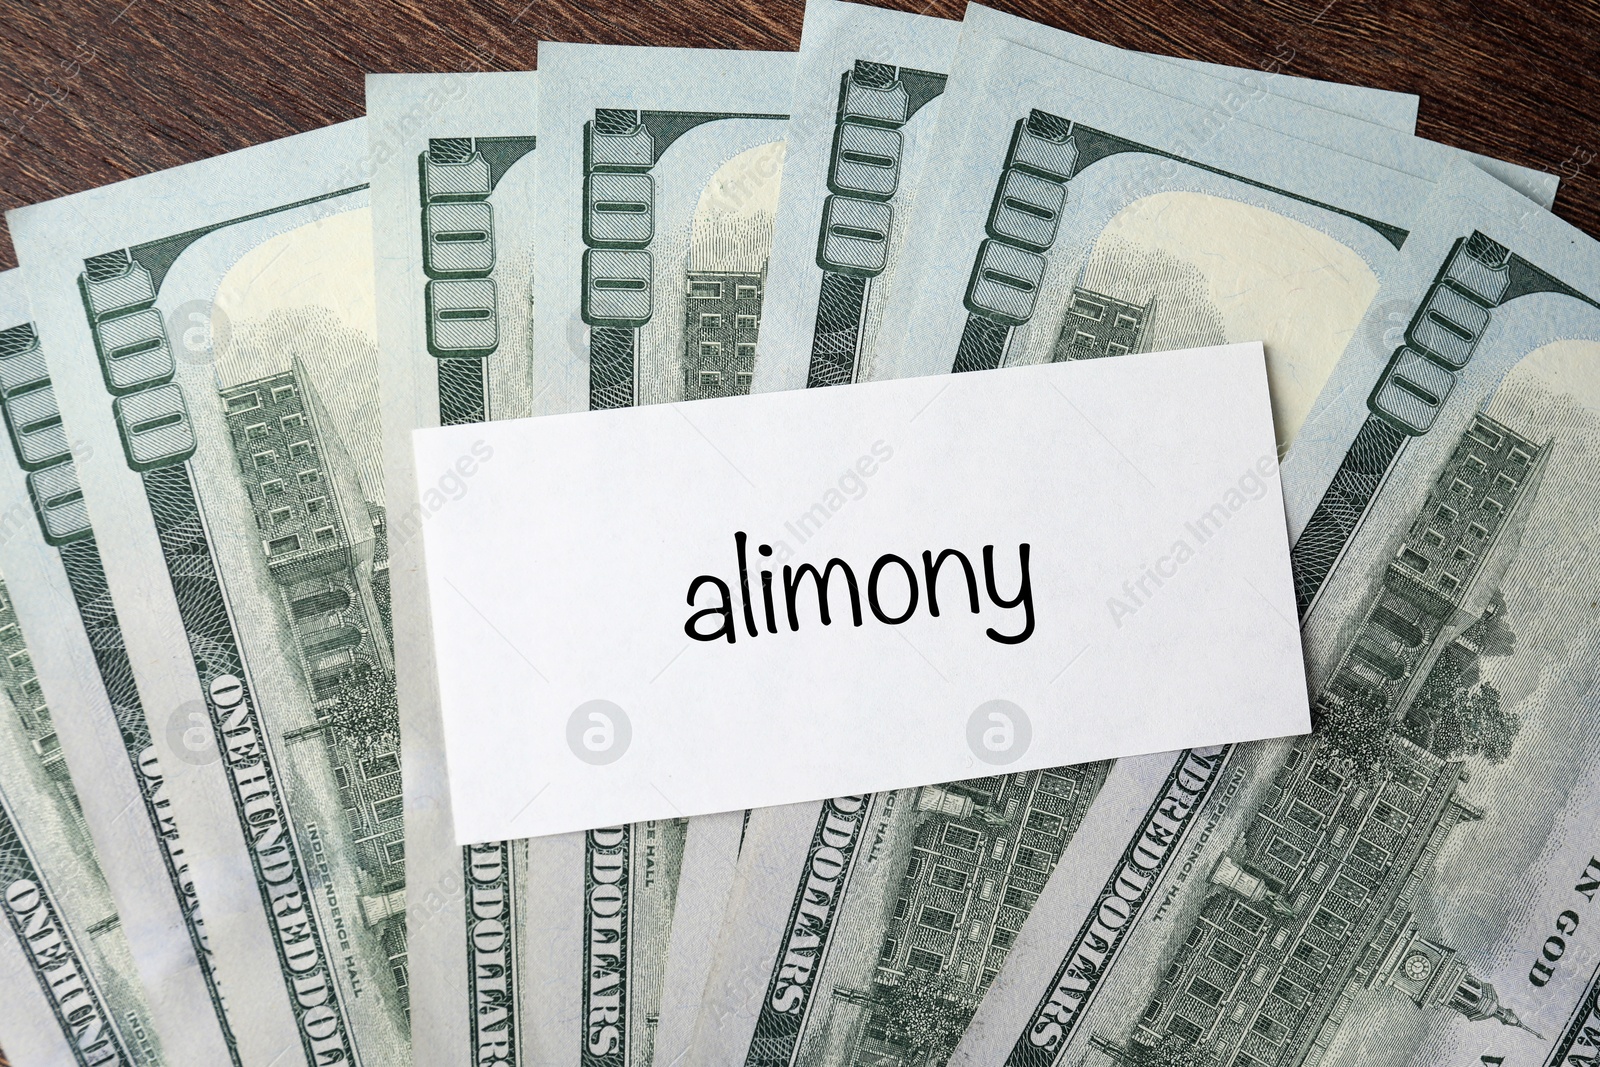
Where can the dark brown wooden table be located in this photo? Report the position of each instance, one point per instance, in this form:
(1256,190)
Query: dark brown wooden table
(94,92)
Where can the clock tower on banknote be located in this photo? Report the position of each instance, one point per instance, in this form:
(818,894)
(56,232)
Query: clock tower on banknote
(1432,976)
(1310,911)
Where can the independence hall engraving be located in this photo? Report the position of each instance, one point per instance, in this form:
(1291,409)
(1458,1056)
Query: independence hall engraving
(979,858)
(326,547)
(1313,907)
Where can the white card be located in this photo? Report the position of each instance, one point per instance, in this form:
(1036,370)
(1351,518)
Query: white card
(601,660)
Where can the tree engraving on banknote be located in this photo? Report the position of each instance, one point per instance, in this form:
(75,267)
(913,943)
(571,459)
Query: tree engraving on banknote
(875,101)
(457,175)
(64,960)
(725,264)
(1326,902)
(316,793)
(1047,151)
(907,906)
(40,445)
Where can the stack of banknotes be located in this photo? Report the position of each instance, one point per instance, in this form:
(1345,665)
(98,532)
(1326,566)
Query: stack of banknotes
(225,828)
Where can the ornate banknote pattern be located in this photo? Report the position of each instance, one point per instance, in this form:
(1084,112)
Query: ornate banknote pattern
(65,941)
(664,167)
(631,878)
(458,177)
(1408,884)
(868,86)
(664,180)
(50,577)
(453,204)
(1123,288)
(879,943)
(887,961)
(1076,230)
(251,464)
(600,949)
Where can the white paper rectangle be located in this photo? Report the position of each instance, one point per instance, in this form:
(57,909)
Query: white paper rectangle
(561,552)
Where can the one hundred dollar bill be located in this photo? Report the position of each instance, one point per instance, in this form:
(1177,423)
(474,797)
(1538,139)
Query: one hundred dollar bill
(868,928)
(458,318)
(868,83)
(72,993)
(660,170)
(711,853)
(1081,216)
(916,1007)
(607,899)
(453,213)
(99,759)
(1411,883)
(658,178)
(209,333)
(1304,109)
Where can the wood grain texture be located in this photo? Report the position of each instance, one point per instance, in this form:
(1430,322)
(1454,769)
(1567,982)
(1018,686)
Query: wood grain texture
(92,93)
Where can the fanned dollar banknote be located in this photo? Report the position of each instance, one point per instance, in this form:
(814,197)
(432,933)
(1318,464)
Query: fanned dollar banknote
(661,169)
(876,956)
(868,84)
(1409,884)
(874,924)
(453,216)
(72,993)
(209,336)
(659,172)
(1143,227)
(458,306)
(100,756)
(1082,217)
